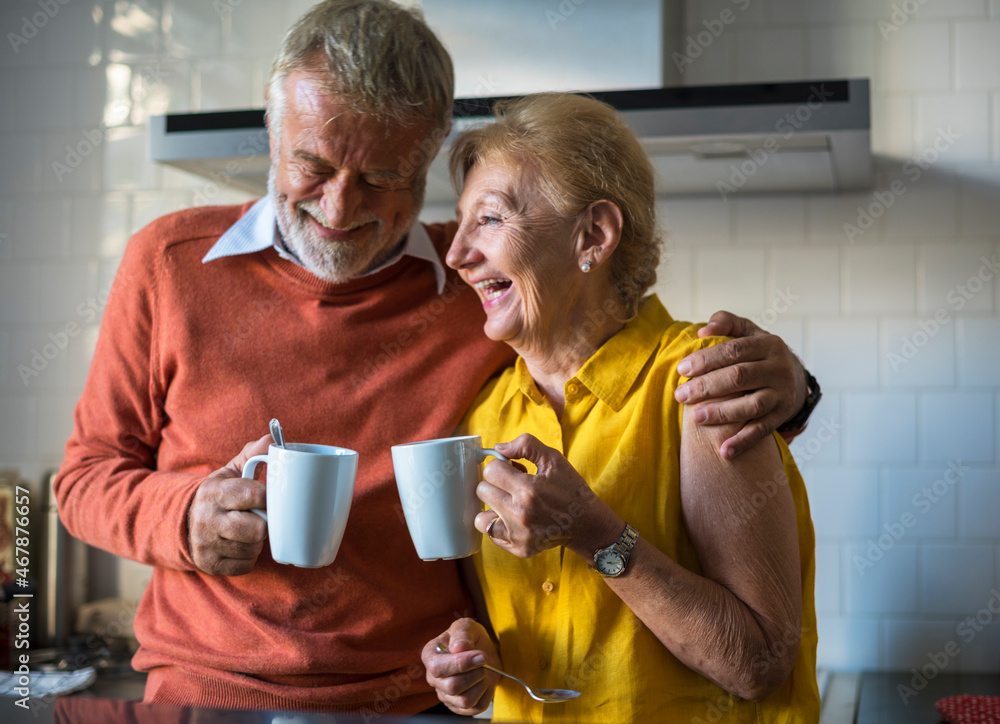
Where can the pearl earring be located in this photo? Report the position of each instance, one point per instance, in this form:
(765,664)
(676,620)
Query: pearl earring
(585,267)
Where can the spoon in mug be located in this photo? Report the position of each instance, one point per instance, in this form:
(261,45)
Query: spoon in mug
(546,696)
(276,434)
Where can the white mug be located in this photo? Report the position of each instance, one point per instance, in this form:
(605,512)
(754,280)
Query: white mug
(437,482)
(309,493)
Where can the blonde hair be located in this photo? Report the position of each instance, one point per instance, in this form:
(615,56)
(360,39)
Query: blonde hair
(380,57)
(582,152)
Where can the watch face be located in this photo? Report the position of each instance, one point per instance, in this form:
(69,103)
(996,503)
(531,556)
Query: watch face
(609,563)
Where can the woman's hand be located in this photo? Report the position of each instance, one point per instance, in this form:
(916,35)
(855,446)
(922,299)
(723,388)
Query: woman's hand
(457,677)
(551,508)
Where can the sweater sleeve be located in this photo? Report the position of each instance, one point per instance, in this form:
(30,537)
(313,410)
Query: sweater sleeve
(108,490)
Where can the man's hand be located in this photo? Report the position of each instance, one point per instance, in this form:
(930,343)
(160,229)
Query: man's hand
(225,537)
(757,366)
(457,677)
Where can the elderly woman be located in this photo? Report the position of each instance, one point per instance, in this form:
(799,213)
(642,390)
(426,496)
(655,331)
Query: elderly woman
(630,560)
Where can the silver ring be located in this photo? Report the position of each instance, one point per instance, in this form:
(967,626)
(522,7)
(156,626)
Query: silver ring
(489,528)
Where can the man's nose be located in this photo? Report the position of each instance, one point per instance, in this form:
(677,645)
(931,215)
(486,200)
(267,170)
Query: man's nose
(342,200)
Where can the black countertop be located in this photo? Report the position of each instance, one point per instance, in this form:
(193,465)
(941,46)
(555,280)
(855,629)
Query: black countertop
(897,697)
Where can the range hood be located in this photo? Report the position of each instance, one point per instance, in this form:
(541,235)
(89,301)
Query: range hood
(719,139)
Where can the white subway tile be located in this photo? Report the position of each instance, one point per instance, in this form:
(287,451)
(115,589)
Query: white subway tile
(892,125)
(194,28)
(699,64)
(24,35)
(843,353)
(918,352)
(995,8)
(996,128)
(979,212)
(134,29)
(696,222)
(926,205)
(952,277)
(979,352)
(956,427)
(842,219)
(126,161)
(100,225)
(253,29)
(828,570)
(8,84)
(133,577)
(730,279)
(844,502)
(769,55)
(44,99)
(149,206)
(55,423)
(7,365)
(78,357)
(880,279)
(953,129)
(41,227)
(699,12)
(73,36)
(952,9)
(62,287)
(789,328)
(842,51)
(821,441)
(673,282)
(71,160)
(910,643)
(155,89)
(916,57)
(810,277)
(977,54)
(89,93)
(18,292)
(980,643)
(39,359)
(847,642)
(880,427)
(17,425)
(955,578)
(920,502)
(881,576)
(22,163)
(226,84)
(978,503)
(292,10)
(768,220)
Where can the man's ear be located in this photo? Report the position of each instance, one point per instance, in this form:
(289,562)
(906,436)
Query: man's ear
(600,233)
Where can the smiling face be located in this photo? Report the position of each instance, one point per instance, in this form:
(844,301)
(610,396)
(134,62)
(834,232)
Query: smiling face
(519,255)
(344,184)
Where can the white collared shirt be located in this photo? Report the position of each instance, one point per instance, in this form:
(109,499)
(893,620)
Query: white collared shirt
(258,229)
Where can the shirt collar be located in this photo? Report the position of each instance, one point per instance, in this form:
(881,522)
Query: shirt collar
(258,229)
(612,370)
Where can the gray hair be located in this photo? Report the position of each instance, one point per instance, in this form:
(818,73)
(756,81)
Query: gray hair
(381,58)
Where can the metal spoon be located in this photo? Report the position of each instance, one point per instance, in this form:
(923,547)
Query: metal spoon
(546,696)
(276,433)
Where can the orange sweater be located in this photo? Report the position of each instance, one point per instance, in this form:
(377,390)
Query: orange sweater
(192,361)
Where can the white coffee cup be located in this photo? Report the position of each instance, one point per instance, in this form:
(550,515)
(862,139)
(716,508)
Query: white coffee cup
(437,482)
(309,493)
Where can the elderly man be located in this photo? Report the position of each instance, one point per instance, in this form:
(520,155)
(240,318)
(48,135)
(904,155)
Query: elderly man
(326,305)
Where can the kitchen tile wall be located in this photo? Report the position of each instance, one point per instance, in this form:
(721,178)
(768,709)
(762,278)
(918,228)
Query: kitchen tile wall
(900,320)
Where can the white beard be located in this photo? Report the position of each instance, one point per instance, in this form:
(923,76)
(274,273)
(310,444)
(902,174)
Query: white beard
(331,261)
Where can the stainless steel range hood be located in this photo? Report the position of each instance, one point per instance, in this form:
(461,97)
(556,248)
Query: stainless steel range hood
(731,139)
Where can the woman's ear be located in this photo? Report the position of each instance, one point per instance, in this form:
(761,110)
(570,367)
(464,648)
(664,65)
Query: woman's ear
(601,232)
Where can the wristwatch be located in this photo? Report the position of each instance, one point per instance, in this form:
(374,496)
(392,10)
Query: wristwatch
(611,562)
(813,395)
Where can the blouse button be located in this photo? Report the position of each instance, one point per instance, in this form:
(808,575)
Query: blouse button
(571,388)
(548,586)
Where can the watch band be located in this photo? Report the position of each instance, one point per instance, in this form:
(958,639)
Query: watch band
(813,396)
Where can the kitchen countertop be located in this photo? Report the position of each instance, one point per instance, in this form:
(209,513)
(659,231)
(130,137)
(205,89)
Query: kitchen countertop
(897,697)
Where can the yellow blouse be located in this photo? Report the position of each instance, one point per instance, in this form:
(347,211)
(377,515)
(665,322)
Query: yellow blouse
(559,625)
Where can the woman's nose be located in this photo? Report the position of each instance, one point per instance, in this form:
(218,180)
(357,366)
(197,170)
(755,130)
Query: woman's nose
(461,252)
(342,201)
